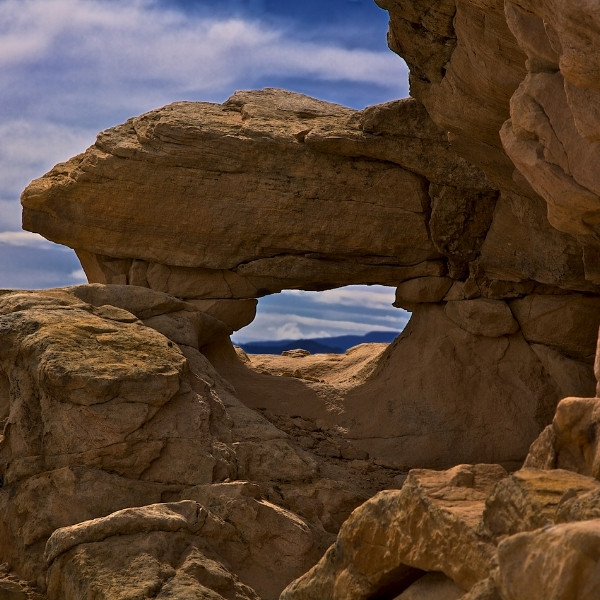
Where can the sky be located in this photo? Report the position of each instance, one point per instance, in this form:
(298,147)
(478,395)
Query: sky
(71,68)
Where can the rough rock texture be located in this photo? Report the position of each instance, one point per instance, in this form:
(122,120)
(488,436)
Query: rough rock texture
(428,525)
(140,455)
(571,442)
(304,173)
(559,562)
(108,404)
(531,535)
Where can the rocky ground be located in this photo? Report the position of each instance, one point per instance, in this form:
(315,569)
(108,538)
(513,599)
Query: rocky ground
(142,456)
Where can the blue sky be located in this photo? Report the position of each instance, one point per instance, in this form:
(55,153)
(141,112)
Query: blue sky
(71,68)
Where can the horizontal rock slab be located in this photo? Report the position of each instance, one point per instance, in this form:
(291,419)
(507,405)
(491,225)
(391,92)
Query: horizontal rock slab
(530,499)
(237,183)
(421,289)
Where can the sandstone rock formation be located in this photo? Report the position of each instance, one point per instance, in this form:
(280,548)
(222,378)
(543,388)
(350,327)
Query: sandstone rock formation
(107,404)
(288,177)
(140,452)
(494,536)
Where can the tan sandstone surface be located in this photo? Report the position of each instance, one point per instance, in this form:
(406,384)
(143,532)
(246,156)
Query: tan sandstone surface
(141,455)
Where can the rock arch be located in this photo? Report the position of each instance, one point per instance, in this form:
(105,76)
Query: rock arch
(221,204)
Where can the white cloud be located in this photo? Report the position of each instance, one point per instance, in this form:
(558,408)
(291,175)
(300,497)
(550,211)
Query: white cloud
(371,297)
(132,54)
(23,238)
(10,214)
(31,149)
(274,326)
(78,276)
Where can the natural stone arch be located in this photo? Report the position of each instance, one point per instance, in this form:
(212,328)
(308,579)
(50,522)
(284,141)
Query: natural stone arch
(222,204)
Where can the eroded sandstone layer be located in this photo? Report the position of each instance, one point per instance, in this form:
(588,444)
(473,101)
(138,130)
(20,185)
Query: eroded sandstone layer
(142,456)
(274,190)
(128,463)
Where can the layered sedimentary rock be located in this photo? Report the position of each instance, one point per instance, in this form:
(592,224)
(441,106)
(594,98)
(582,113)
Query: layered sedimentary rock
(141,453)
(483,534)
(128,463)
(275,190)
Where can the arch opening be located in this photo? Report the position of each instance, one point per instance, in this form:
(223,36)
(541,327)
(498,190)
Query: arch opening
(330,321)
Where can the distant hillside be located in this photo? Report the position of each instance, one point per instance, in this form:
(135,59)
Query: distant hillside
(324,345)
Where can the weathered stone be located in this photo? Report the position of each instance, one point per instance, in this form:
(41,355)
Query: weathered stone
(402,132)
(572,377)
(554,126)
(529,499)
(484,590)
(271,167)
(101,410)
(430,524)
(417,419)
(543,142)
(460,220)
(464,66)
(576,425)
(245,533)
(522,245)
(491,318)
(565,322)
(432,586)
(421,289)
(558,562)
(571,442)
(542,452)
(235,314)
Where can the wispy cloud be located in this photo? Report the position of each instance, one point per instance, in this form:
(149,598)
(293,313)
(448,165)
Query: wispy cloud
(279,327)
(135,54)
(23,238)
(296,314)
(33,147)
(374,297)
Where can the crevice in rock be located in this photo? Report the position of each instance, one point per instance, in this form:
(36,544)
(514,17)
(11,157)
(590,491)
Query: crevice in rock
(4,401)
(395,582)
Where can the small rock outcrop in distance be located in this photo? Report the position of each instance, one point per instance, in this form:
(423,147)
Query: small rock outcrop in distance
(142,455)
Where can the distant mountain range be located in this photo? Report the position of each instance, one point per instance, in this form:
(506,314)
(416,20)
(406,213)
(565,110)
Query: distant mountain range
(324,345)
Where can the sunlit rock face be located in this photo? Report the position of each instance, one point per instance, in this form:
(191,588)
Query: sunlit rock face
(108,405)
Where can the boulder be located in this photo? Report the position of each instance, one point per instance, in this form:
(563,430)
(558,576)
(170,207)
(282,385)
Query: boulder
(570,442)
(182,547)
(491,318)
(554,562)
(421,289)
(530,499)
(429,525)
